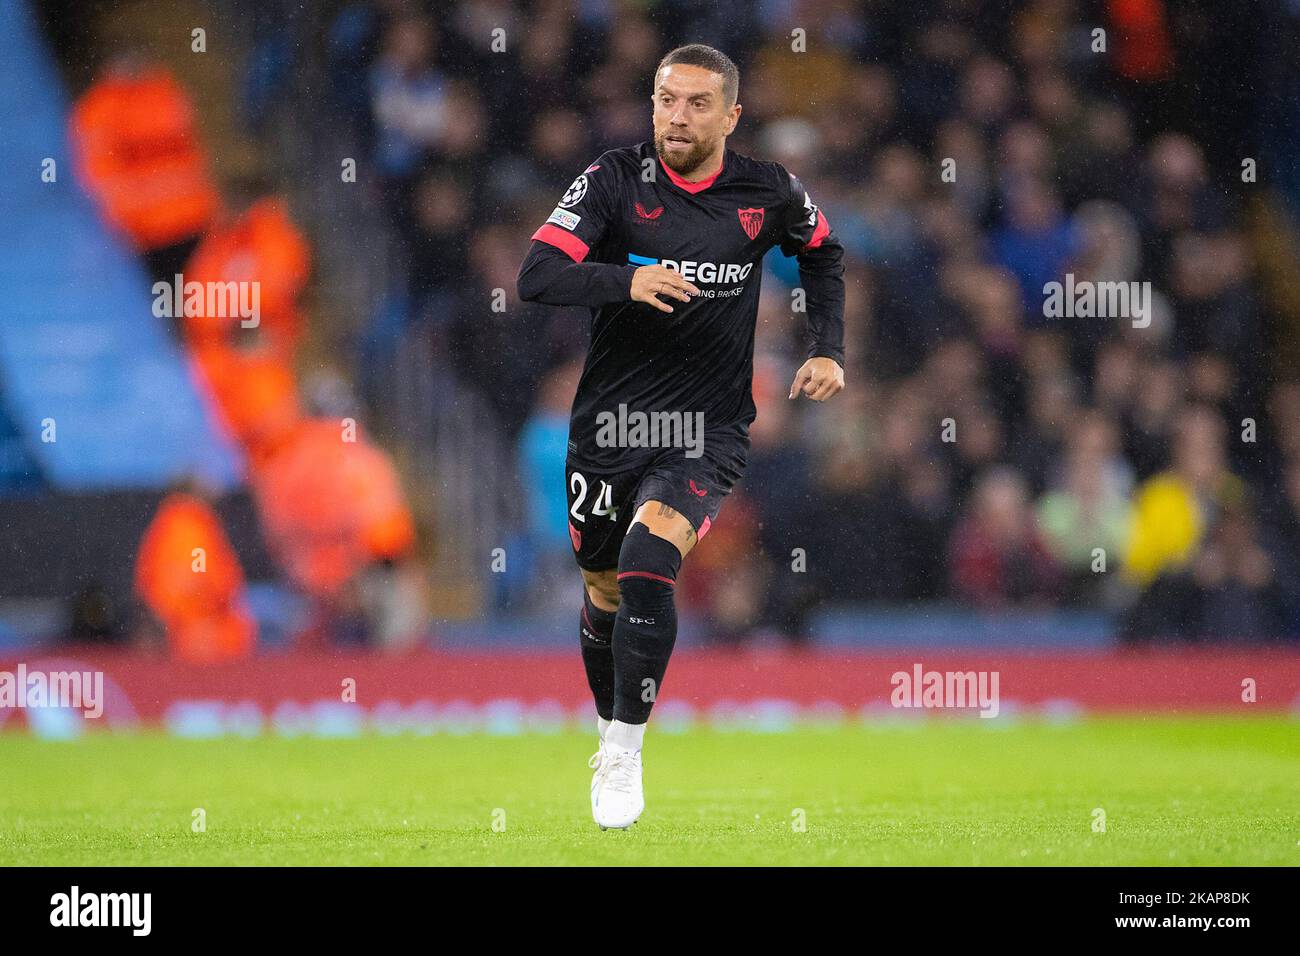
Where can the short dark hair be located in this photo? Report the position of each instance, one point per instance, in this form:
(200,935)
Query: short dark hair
(713,60)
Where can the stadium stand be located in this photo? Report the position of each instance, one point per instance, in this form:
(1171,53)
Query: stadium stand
(83,358)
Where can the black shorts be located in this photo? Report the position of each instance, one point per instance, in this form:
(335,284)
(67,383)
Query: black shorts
(601,506)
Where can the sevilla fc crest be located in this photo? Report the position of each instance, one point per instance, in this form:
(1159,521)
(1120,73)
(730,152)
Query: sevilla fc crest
(751,220)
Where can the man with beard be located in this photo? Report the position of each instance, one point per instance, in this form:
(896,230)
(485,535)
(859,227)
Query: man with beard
(665,242)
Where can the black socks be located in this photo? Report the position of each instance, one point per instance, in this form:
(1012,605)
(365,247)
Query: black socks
(645,627)
(596,634)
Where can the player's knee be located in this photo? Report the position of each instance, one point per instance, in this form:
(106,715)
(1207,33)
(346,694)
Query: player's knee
(647,569)
(603,589)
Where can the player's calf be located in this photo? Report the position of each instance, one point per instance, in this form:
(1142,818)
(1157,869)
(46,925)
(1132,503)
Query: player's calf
(645,628)
(596,635)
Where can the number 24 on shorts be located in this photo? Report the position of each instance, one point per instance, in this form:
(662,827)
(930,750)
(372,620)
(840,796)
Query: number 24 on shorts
(601,507)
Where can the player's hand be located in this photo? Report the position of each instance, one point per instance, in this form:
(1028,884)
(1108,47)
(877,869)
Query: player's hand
(650,282)
(819,379)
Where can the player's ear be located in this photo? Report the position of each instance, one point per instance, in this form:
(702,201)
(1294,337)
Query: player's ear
(735,118)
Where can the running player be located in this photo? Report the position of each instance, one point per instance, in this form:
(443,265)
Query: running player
(665,242)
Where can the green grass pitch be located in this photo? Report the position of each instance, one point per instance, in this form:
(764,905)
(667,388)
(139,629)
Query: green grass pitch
(1192,791)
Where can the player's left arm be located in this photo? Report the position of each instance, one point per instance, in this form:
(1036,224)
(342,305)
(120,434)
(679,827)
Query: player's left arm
(807,235)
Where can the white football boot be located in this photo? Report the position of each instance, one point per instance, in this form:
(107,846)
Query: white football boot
(616,795)
(597,758)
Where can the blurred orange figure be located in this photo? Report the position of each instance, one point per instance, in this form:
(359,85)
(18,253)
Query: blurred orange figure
(197,595)
(261,245)
(256,392)
(331,506)
(136,152)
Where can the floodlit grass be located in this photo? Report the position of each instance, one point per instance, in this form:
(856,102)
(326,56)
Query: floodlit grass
(1193,791)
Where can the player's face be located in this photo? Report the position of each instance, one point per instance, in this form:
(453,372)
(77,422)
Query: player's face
(691,116)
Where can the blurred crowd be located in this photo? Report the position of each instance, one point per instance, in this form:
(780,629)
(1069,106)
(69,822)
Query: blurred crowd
(967,153)
(984,452)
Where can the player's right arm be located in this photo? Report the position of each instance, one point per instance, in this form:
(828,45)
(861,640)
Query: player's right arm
(555,271)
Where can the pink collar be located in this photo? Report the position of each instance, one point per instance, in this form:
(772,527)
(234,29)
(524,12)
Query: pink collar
(687,185)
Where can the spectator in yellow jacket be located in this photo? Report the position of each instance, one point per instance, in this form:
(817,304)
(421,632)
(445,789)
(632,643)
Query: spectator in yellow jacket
(1173,508)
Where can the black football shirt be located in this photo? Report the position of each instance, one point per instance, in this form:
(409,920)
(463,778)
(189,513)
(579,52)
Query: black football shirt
(628,210)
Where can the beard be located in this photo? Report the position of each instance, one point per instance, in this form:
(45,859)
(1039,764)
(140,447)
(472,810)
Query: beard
(683,163)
